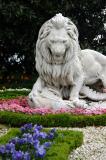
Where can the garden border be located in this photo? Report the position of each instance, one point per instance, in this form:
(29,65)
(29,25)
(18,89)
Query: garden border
(52,120)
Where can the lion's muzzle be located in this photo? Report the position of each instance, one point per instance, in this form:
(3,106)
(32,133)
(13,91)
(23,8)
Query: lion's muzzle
(57,50)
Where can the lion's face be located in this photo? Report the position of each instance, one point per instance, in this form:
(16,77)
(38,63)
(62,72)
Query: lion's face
(58,42)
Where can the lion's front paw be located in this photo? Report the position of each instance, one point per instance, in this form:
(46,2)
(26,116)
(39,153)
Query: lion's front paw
(79,103)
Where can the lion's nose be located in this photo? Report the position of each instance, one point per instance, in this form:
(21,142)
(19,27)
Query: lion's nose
(59,53)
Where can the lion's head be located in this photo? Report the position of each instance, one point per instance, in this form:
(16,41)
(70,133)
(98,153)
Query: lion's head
(57,42)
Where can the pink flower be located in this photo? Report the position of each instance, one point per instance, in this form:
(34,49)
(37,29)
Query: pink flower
(21,105)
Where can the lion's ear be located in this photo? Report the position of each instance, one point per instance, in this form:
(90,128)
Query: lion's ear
(44,31)
(72,31)
(43,34)
(72,35)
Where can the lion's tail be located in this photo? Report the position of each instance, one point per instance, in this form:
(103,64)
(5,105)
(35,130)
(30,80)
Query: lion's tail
(91,94)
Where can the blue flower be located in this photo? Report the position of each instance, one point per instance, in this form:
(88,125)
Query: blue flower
(28,138)
(2,149)
(14,140)
(31,141)
(17,155)
(36,134)
(26,135)
(43,135)
(50,135)
(53,130)
(10,148)
(47,144)
(40,152)
(38,127)
(27,156)
(21,141)
(22,129)
(36,144)
(25,140)
(26,127)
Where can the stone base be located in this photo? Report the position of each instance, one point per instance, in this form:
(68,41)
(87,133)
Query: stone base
(57,103)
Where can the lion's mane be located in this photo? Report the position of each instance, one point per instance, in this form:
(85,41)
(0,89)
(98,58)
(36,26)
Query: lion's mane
(55,73)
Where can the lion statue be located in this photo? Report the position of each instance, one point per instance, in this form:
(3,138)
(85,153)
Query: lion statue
(64,69)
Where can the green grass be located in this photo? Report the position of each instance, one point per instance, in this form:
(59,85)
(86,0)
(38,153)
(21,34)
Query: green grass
(12,94)
(62,145)
(13,132)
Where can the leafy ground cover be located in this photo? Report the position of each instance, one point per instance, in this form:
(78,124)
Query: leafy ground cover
(62,143)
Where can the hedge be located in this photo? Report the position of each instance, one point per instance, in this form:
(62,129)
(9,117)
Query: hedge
(62,145)
(12,94)
(52,120)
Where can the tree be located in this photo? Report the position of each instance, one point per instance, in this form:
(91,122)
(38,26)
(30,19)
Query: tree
(20,22)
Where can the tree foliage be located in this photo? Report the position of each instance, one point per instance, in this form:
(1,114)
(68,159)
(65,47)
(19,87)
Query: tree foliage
(20,22)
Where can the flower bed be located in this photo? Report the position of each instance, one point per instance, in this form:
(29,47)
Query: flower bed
(20,105)
(32,144)
(39,142)
(17,112)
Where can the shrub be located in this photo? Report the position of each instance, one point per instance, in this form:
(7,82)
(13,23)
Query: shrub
(12,94)
(52,120)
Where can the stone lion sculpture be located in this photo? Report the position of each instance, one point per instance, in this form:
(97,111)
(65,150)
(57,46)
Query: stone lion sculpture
(64,69)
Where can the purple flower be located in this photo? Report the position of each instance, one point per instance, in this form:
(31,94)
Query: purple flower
(29,142)
(23,129)
(21,141)
(53,130)
(17,155)
(26,127)
(10,148)
(39,128)
(28,137)
(14,140)
(2,149)
(25,140)
(36,144)
(47,144)
(50,135)
(43,135)
(36,134)
(27,156)
(40,152)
